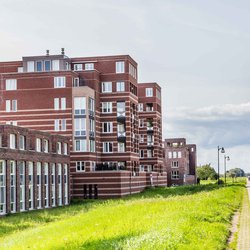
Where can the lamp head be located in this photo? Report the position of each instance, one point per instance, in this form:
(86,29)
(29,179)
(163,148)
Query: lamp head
(222,150)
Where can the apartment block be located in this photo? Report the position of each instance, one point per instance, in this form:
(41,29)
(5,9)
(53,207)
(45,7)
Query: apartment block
(34,170)
(97,102)
(180,161)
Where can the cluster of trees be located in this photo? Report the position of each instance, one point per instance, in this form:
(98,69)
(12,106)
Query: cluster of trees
(206,172)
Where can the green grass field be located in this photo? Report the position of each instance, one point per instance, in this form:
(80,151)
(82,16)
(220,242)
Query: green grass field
(190,217)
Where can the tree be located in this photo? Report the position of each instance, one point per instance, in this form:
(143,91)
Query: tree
(206,172)
(236,172)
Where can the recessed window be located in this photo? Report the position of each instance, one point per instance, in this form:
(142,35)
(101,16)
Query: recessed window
(11,105)
(30,66)
(120,67)
(39,66)
(179,154)
(80,166)
(38,144)
(149,92)
(107,147)
(107,127)
(174,164)
(80,105)
(91,145)
(78,67)
(89,66)
(21,142)
(141,153)
(47,65)
(59,148)
(55,65)
(12,141)
(106,87)
(175,175)
(80,126)
(59,81)
(120,86)
(106,107)
(81,145)
(169,155)
(11,84)
(46,146)
(140,107)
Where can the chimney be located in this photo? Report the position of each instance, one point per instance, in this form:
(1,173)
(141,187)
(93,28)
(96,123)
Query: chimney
(62,51)
(47,52)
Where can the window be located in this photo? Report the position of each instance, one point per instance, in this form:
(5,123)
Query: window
(93,165)
(11,84)
(12,141)
(107,127)
(63,103)
(149,92)
(106,87)
(80,105)
(91,127)
(2,187)
(22,185)
(106,107)
(30,66)
(55,65)
(59,148)
(12,186)
(47,66)
(80,126)
(107,147)
(174,164)
(56,103)
(120,67)
(132,71)
(179,154)
(92,145)
(39,184)
(46,184)
(39,66)
(175,175)
(38,144)
(158,94)
(20,69)
(141,123)
(149,153)
(46,146)
(66,184)
(53,184)
(76,82)
(169,155)
(89,66)
(11,105)
(59,182)
(59,122)
(121,129)
(121,109)
(65,148)
(149,107)
(121,147)
(31,198)
(120,86)
(140,107)
(150,140)
(59,81)
(80,166)
(141,168)
(91,106)
(141,138)
(63,125)
(141,152)
(174,154)
(80,145)
(77,67)
(21,142)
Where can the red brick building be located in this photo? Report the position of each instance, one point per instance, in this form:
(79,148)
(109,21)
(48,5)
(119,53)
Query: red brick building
(34,170)
(180,161)
(98,102)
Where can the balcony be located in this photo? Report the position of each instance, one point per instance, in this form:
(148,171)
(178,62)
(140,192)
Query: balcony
(150,143)
(109,167)
(121,134)
(121,113)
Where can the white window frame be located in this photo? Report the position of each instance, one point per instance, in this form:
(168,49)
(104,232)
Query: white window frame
(65,180)
(80,126)
(56,104)
(39,184)
(106,107)
(80,105)
(120,67)
(59,184)
(109,127)
(121,147)
(107,147)
(22,142)
(31,187)
(106,87)
(13,141)
(80,166)
(38,144)
(46,184)
(78,67)
(89,66)
(120,86)
(11,84)
(82,145)
(59,82)
(22,171)
(149,92)
(175,175)
(46,145)
(174,164)
(3,187)
(53,184)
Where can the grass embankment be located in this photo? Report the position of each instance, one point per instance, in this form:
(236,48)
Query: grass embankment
(194,217)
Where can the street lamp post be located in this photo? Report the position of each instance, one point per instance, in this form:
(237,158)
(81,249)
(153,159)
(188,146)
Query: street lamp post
(226,158)
(222,151)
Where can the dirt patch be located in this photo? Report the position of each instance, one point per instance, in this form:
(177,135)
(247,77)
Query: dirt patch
(234,229)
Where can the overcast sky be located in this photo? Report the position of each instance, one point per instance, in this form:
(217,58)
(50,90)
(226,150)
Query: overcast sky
(198,51)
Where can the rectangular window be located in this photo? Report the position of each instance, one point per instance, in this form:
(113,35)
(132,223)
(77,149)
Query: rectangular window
(55,65)
(80,145)
(65,148)
(80,105)
(13,186)
(11,84)
(77,67)
(11,105)
(89,66)
(22,185)
(31,195)
(170,155)
(141,123)
(46,184)
(76,82)
(53,184)
(63,125)
(39,66)
(39,185)
(80,126)
(30,66)
(2,187)
(174,154)
(149,92)
(121,108)
(57,125)
(141,138)
(120,67)
(175,175)
(174,164)
(92,145)
(121,147)
(80,166)
(38,144)
(120,86)
(107,127)
(59,183)
(12,141)
(66,184)
(179,154)
(91,127)
(141,153)
(106,87)
(46,146)
(132,71)
(8,106)
(106,107)
(91,106)
(47,66)
(149,153)
(56,103)
(22,142)
(63,103)
(107,147)
(140,107)
(59,148)
(59,81)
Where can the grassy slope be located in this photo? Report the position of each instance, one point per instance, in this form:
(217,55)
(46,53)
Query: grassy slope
(163,218)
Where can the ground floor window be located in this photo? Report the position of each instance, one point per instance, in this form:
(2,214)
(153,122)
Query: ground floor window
(13,186)
(2,187)
(175,175)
